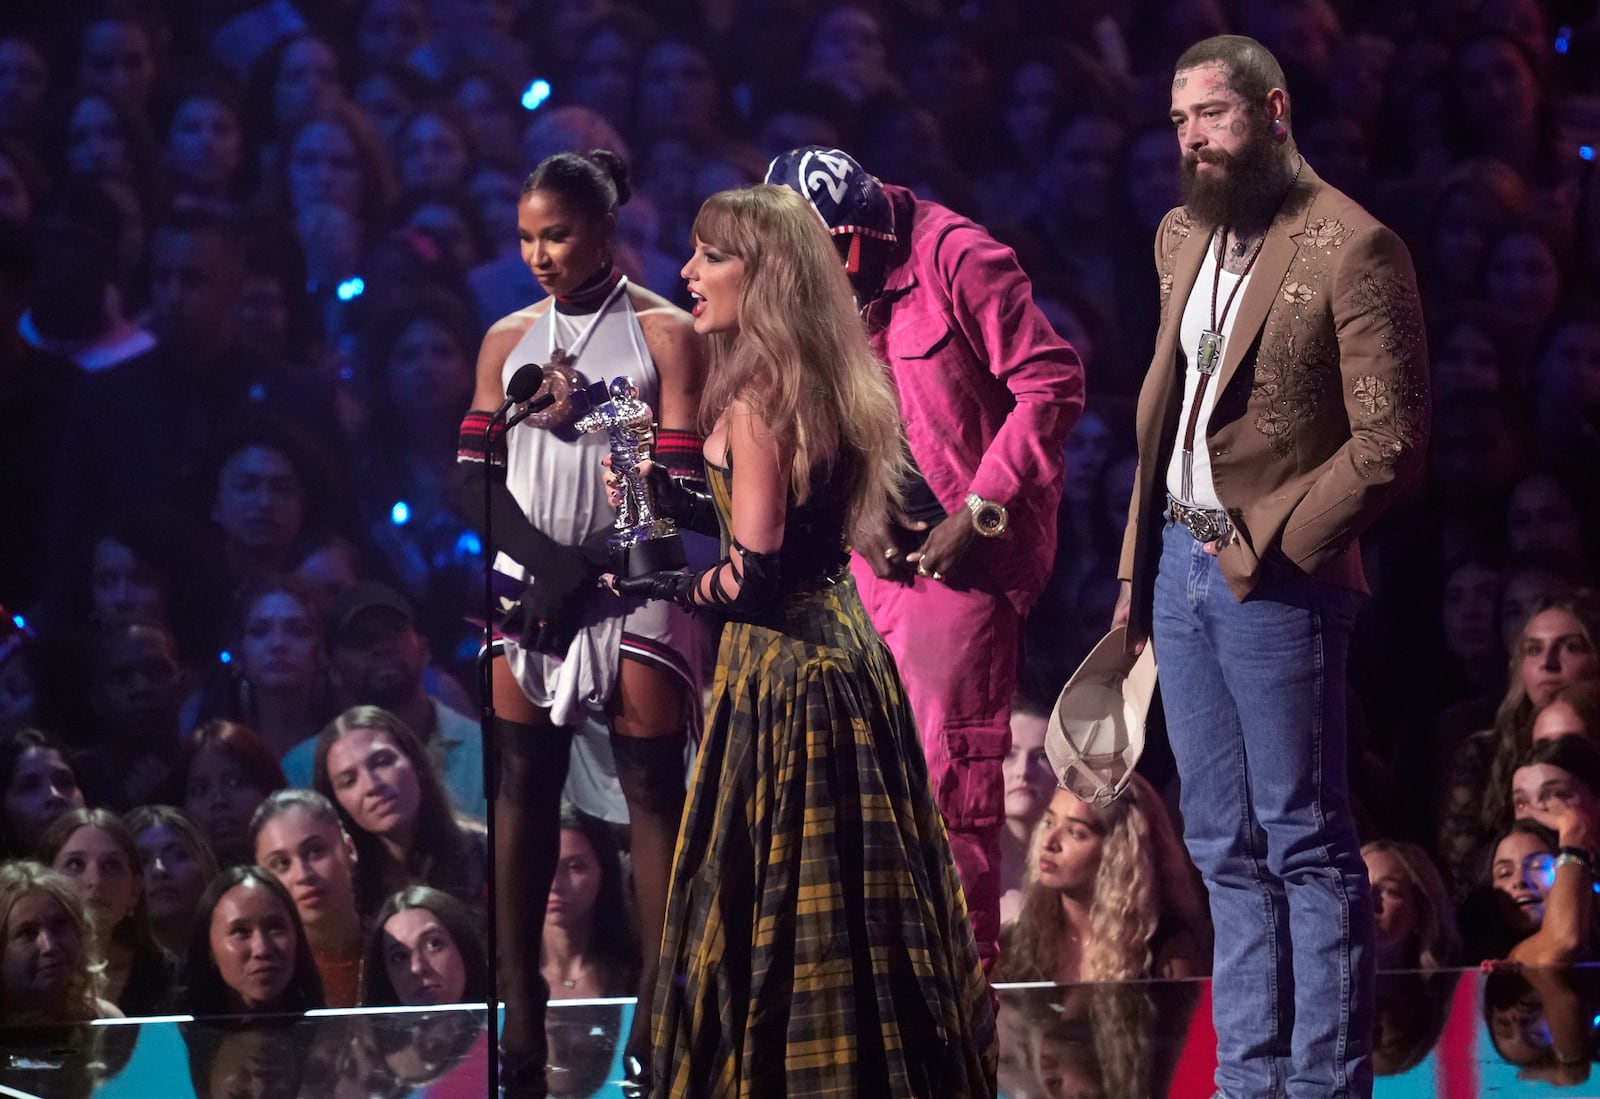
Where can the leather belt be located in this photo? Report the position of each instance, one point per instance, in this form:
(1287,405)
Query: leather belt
(1206,524)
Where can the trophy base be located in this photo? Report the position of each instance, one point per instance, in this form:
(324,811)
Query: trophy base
(635,558)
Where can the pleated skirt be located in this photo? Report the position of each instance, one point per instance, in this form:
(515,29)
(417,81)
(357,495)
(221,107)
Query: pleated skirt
(817,941)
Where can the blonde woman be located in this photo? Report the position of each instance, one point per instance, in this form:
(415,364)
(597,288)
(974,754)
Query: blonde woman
(1416,922)
(49,973)
(812,862)
(1109,896)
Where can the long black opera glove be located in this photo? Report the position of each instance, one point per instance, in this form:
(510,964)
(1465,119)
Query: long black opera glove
(558,576)
(677,587)
(686,506)
(759,587)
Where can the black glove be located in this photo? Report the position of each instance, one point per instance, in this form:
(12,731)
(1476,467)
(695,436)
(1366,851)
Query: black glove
(675,500)
(675,586)
(545,617)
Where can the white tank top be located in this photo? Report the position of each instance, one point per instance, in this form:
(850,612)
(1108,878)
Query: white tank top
(560,485)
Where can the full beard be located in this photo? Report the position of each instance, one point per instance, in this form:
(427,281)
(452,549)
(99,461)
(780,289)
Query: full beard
(1244,194)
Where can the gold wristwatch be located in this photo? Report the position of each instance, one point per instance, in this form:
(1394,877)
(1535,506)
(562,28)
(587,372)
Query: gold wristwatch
(988,518)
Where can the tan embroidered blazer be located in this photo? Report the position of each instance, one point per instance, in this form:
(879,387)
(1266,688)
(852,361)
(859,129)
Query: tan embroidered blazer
(1322,396)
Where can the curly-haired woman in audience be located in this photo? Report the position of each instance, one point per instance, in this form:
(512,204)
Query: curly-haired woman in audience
(1416,922)
(298,838)
(96,850)
(248,953)
(177,865)
(1109,896)
(49,972)
(1557,646)
(424,950)
(395,808)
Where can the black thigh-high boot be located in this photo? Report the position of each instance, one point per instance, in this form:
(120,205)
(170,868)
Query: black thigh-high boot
(527,819)
(650,770)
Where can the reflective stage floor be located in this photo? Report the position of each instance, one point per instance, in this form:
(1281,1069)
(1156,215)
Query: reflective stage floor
(1459,1034)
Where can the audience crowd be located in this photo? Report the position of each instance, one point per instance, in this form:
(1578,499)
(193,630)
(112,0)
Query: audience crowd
(247,250)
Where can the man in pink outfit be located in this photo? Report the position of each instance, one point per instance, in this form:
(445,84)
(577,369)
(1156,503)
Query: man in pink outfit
(988,392)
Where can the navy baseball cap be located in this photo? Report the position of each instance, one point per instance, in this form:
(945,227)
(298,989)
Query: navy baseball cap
(845,195)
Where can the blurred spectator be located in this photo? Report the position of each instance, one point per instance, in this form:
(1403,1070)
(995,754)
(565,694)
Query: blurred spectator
(248,954)
(268,488)
(391,31)
(37,785)
(296,78)
(35,386)
(424,950)
(378,658)
(225,773)
(24,83)
(106,142)
(1557,647)
(1109,896)
(605,65)
(1471,204)
(1029,787)
(118,52)
(395,808)
(298,838)
(276,680)
(846,49)
(1566,392)
(588,950)
(1416,921)
(136,688)
(435,149)
(1557,771)
(75,307)
(1524,280)
(337,182)
(96,850)
(205,149)
(177,865)
(1573,710)
(49,973)
(1543,521)
(490,108)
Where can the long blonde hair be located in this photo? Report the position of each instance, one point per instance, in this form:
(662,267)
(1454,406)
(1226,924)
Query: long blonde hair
(81,999)
(800,357)
(1123,915)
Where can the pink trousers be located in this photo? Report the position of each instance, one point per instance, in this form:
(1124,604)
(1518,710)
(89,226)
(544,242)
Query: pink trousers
(957,655)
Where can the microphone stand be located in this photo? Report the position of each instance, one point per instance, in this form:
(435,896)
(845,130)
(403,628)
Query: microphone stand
(486,717)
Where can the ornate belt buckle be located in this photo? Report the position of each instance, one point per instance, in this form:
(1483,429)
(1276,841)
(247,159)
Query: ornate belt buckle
(1204,526)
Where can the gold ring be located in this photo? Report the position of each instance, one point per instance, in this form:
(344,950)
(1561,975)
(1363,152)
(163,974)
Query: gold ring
(922,568)
(938,575)
(890,552)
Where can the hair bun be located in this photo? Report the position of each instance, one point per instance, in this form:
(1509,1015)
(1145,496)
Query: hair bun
(617,168)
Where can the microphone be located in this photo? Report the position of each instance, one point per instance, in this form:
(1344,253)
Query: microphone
(532,408)
(523,384)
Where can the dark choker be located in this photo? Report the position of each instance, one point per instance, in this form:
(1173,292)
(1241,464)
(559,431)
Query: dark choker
(591,295)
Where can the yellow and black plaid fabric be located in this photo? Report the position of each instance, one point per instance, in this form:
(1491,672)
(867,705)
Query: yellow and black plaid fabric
(817,941)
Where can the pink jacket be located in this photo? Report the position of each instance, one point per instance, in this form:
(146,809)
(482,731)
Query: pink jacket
(987,389)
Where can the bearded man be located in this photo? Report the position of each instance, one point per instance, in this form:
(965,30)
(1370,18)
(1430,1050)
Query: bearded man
(1285,407)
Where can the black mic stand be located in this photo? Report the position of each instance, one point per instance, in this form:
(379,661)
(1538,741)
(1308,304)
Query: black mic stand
(486,707)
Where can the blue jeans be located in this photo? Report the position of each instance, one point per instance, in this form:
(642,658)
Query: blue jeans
(1254,694)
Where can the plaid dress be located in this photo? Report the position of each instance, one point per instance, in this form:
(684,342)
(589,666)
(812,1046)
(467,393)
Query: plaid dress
(817,941)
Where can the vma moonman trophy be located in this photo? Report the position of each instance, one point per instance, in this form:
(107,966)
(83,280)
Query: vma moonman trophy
(643,542)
